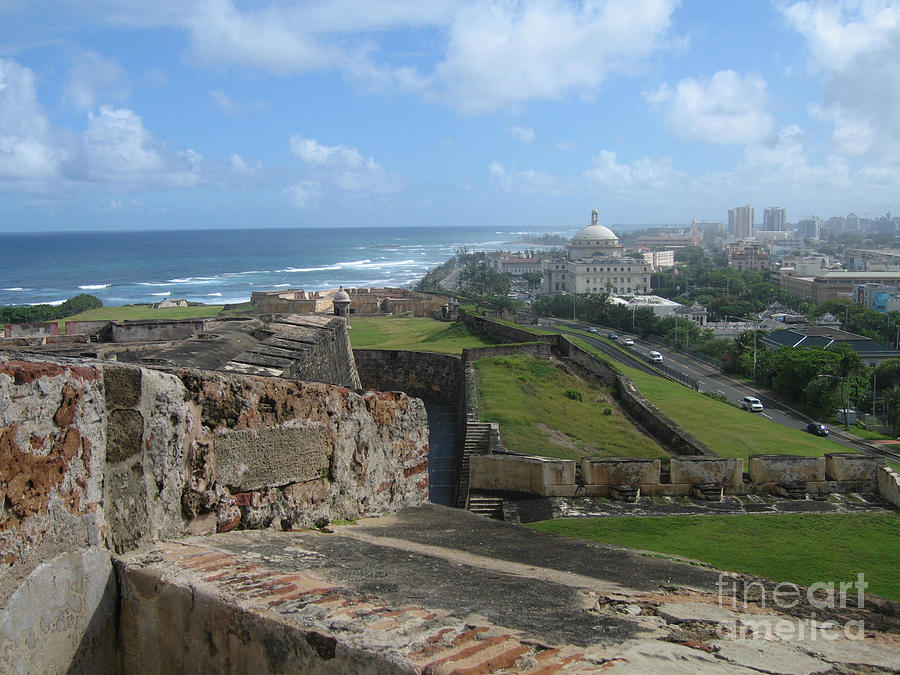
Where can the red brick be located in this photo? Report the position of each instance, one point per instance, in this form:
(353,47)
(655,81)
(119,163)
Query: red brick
(243,498)
(418,468)
(492,654)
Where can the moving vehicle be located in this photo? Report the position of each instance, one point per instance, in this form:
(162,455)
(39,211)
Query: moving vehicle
(817,428)
(752,404)
(612,336)
(592,330)
(654,357)
(628,342)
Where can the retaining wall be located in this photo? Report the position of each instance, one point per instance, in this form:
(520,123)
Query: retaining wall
(522,473)
(14,330)
(149,331)
(433,377)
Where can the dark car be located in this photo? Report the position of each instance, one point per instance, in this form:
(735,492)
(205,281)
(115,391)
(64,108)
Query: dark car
(817,428)
(613,336)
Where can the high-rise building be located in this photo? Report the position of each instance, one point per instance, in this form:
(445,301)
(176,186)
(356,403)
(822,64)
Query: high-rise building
(809,228)
(774,219)
(740,222)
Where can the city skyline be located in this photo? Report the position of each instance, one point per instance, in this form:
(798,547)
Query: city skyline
(219,113)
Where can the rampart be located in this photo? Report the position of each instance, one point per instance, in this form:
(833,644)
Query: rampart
(152,330)
(14,330)
(99,457)
(433,377)
(363,301)
(768,474)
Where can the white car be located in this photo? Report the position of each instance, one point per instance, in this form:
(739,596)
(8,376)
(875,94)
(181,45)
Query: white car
(628,342)
(592,330)
(654,357)
(752,404)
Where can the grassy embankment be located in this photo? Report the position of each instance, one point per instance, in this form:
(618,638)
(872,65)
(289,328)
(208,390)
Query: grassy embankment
(125,312)
(728,430)
(796,548)
(422,335)
(544,411)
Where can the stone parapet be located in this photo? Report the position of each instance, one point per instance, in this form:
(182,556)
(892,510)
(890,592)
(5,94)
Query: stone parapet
(631,471)
(786,469)
(707,470)
(522,473)
(846,466)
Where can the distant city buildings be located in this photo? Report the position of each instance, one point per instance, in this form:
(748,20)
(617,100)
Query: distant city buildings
(740,222)
(745,256)
(774,219)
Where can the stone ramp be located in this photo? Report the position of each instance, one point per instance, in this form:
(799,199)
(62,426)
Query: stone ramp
(400,594)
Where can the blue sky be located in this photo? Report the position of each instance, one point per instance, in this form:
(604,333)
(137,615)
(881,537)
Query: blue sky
(124,114)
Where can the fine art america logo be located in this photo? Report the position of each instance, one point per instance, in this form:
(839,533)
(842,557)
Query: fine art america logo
(822,595)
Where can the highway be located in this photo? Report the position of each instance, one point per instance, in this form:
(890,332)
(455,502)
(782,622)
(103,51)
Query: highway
(705,377)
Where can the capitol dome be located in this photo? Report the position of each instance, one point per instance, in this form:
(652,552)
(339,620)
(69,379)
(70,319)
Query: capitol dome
(595,233)
(594,240)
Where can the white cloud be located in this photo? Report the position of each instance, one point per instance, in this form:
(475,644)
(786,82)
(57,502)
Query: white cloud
(854,49)
(528,181)
(229,105)
(93,79)
(841,33)
(524,134)
(639,176)
(28,149)
(502,54)
(726,108)
(118,147)
(342,168)
(304,194)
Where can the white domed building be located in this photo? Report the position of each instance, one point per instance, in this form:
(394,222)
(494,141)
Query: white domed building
(596,263)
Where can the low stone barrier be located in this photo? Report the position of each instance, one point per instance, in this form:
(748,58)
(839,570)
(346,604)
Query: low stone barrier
(888,482)
(523,473)
(786,469)
(707,470)
(538,349)
(852,466)
(632,471)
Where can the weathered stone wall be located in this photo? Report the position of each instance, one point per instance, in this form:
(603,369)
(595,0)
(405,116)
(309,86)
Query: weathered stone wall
(707,470)
(93,328)
(786,469)
(146,331)
(103,456)
(540,350)
(619,471)
(503,331)
(523,473)
(433,377)
(889,485)
(31,329)
(852,466)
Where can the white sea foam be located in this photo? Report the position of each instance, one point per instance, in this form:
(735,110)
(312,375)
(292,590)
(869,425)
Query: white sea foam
(162,295)
(291,270)
(214,295)
(281,286)
(192,280)
(353,263)
(54,303)
(16,288)
(93,287)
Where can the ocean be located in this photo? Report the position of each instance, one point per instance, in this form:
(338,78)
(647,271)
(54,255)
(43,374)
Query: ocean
(226,266)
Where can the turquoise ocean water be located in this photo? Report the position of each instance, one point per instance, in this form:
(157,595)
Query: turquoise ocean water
(226,266)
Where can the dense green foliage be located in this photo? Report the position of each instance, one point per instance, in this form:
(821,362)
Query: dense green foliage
(432,280)
(41,313)
(835,547)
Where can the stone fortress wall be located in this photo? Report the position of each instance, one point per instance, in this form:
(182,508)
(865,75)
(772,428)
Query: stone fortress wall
(363,301)
(98,457)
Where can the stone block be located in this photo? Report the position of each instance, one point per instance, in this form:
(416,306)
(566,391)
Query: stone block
(124,435)
(122,386)
(254,459)
(520,473)
(852,466)
(126,506)
(619,471)
(786,469)
(699,470)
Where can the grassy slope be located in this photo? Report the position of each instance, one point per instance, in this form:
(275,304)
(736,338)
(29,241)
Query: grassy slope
(799,548)
(424,335)
(729,431)
(523,393)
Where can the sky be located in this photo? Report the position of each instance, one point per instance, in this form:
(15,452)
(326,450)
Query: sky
(172,114)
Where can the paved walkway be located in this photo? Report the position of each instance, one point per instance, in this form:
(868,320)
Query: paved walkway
(439,590)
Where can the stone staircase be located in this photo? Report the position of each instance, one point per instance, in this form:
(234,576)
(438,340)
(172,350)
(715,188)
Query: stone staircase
(486,505)
(477,442)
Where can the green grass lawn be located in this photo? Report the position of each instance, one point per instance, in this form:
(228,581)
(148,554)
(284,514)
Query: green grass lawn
(726,429)
(143,312)
(423,335)
(528,397)
(796,548)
